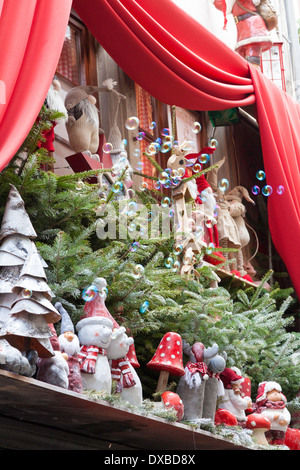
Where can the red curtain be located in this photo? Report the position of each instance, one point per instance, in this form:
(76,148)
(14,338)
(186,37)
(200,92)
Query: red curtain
(31,38)
(168,53)
(279,122)
(181,63)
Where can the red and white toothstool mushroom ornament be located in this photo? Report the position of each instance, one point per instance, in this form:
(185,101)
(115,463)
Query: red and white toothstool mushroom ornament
(224,416)
(292,438)
(167,359)
(173,400)
(132,357)
(259,424)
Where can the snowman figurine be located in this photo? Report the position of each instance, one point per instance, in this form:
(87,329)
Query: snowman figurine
(94,334)
(128,383)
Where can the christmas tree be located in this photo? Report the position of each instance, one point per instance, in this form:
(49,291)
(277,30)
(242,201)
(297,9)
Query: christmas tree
(146,291)
(23,286)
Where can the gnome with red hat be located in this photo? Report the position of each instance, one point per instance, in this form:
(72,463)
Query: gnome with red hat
(232,399)
(252,31)
(270,401)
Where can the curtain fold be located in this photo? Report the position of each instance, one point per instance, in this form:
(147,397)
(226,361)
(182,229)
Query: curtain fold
(179,62)
(279,123)
(31,39)
(151,49)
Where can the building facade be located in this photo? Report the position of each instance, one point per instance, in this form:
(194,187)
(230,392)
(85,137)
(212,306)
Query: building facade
(84,62)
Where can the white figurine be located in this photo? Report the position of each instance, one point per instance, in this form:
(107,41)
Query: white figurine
(271,402)
(94,334)
(128,382)
(232,399)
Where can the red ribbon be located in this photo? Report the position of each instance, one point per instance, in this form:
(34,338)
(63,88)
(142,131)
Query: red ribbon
(195,367)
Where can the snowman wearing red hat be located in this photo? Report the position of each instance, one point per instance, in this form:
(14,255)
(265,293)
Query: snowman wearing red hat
(270,401)
(252,31)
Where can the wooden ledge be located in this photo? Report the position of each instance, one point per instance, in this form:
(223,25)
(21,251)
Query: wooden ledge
(38,416)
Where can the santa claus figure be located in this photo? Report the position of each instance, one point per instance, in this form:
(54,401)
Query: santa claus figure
(233,400)
(271,402)
(252,33)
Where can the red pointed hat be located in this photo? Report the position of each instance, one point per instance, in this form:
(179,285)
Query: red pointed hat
(229,376)
(95,311)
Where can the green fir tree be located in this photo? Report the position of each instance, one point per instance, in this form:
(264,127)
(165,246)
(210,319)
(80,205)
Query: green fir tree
(145,293)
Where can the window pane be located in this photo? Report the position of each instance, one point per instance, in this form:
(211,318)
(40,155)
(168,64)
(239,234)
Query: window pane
(69,62)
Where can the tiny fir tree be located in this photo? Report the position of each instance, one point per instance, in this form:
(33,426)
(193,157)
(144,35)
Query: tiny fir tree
(146,292)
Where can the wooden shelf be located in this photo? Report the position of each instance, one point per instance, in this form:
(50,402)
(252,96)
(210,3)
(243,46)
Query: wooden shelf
(38,416)
(236,280)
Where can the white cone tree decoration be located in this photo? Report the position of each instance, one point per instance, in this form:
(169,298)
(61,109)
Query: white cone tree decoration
(25,297)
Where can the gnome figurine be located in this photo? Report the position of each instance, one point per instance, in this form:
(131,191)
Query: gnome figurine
(191,387)
(270,401)
(232,399)
(214,387)
(69,344)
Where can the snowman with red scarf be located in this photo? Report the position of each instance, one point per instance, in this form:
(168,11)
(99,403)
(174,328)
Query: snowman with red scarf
(252,31)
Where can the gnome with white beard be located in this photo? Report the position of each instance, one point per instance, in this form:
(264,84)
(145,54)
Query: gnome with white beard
(54,102)
(69,345)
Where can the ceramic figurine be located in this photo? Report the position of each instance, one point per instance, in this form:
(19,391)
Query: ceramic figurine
(94,334)
(53,370)
(167,359)
(213,387)
(191,386)
(128,383)
(25,297)
(233,400)
(271,402)
(69,344)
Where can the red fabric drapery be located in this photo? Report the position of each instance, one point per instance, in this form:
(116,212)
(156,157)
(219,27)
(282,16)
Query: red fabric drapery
(31,38)
(173,58)
(168,53)
(279,122)
(181,63)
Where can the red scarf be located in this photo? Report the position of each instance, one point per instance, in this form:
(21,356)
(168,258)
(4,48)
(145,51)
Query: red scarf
(195,367)
(120,371)
(213,375)
(87,358)
(268,405)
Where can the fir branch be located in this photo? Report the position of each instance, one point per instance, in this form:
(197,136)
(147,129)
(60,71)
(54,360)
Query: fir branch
(197,175)
(154,162)
(143,175)
(261,286)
